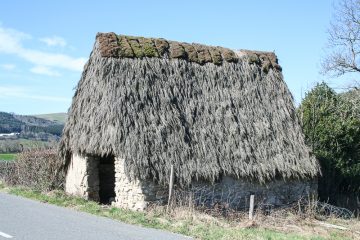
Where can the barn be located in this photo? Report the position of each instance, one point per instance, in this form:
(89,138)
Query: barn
(216,116)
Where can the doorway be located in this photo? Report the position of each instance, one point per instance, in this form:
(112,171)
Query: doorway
(107,179)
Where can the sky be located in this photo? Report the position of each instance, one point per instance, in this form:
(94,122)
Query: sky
(45,44)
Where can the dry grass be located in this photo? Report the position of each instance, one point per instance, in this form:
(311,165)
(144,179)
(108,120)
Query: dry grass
(307,224)
(285,221)
(305,218)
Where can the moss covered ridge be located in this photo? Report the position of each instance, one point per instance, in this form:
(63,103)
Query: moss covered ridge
(121,46)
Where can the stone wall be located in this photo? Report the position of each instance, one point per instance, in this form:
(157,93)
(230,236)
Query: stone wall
(135,195)
(236,193)
(138,195)
(82,178)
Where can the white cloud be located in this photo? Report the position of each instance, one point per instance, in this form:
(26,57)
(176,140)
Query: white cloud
(10,40)
(53,60)
(19,92)
(8,67)
(11,43)
(45,71)
(54,41)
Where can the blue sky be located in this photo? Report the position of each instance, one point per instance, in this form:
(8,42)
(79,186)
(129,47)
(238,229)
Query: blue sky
(44,44)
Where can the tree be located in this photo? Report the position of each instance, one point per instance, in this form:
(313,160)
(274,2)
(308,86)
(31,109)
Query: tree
(331,126)
(344,40)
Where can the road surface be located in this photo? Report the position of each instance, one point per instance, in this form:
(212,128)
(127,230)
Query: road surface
(21,218)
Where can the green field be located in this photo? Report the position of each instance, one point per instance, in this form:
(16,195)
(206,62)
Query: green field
(57,117)
(17,145)
(7,156)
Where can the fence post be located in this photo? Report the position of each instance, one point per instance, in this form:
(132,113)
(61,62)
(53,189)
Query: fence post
(171,184)
(251,208)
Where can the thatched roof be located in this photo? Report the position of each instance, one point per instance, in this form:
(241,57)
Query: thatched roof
(209,111)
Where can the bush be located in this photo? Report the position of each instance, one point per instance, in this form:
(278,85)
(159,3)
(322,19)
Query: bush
(6,170)
(39,169)
(331,126)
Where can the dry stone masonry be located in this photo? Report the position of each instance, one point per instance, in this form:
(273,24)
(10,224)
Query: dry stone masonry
(82,177)
(235,193)
(83,180)
(135,194)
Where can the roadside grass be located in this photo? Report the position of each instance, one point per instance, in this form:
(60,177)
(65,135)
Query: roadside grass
(7,156)
(197,225)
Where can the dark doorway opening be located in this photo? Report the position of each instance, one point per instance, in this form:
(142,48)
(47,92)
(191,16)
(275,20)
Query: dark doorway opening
(107,179)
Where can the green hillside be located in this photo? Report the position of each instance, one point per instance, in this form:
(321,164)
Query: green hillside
(56,117)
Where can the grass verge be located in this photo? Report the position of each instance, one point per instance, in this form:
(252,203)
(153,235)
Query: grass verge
(197,225)
(7,156)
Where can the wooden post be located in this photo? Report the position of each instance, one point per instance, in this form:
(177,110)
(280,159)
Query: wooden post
(171,184)
(251,208)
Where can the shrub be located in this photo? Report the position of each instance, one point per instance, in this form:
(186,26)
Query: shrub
(6,170)
(331,126)
(39,169)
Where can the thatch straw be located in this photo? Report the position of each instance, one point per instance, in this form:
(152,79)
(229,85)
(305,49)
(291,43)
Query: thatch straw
(233,118)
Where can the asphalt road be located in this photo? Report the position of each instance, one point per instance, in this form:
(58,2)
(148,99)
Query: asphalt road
(22,218)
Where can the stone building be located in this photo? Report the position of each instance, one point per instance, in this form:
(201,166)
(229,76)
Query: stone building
(223,119)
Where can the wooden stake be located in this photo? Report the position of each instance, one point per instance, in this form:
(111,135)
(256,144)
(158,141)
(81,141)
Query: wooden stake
(251,208)
(171,184)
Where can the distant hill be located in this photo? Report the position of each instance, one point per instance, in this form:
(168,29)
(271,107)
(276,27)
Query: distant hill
(56,117)
(9,124)
(31,131)
(23,124)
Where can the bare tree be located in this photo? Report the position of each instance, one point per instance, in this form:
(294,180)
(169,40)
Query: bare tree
(344,40)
